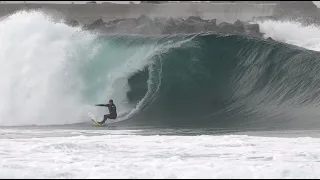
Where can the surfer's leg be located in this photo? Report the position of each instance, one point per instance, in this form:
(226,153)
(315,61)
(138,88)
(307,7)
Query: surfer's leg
(105,117)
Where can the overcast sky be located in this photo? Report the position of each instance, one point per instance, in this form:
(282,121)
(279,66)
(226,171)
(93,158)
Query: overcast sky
(65,2)
(68,2)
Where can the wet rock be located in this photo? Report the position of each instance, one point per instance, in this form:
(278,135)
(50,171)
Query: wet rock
(211,25)
(98,24)
(253,30)
(126,26)
(143,19)
(239,26)
(227,28)
(146,26)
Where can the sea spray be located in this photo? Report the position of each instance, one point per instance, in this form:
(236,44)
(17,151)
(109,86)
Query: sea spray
(54,74)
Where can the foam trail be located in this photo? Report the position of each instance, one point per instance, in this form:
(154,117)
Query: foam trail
(154,156)
(292,33)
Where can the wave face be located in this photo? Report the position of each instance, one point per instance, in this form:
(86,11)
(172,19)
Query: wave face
(233,81)
(52,74)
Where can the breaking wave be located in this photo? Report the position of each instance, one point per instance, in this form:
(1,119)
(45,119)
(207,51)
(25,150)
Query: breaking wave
(53,74)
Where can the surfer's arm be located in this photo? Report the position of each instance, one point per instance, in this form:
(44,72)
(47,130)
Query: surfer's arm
(106,105)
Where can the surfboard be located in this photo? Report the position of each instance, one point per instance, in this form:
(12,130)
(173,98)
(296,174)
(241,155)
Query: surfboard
(93,119)
(96,122)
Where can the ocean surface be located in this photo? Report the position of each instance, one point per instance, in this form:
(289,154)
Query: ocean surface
(190,106)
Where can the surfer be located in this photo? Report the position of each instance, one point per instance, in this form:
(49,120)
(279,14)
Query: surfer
(112,111)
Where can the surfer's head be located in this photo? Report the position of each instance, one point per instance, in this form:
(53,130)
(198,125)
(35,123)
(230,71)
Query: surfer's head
(110,101)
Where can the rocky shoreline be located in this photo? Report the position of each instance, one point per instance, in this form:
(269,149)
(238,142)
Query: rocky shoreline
(160,26)
(304,11)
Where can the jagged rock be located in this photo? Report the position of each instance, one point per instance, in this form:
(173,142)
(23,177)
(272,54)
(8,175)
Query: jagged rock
(112,28)
(147,26)
(185,28)
(171,26)
(98,24)
(239,26)
(195,19)
(114,21)
(157,19)
(227,28)
(211,25)
(161,24)
(126,26)
(253,30)
(143,19)
(191,25)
